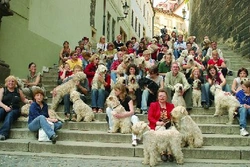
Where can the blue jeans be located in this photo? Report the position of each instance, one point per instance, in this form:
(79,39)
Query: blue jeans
(113,76)
(243,116)
(208,94)
(176,54)
(41,122)
(98,98)
(144,100)
(8,118)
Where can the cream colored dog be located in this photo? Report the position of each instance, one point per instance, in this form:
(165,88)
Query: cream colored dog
(100,72)
(25,113)
(66,88)
(155,142)
(196,94)
(180,60)
(191,133)
(124,124)
(192,63)
(82,110)
(121,69)
(224,100)
(132,86)
(178,99)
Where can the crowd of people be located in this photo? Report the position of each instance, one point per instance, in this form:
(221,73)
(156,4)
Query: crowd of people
(165,62)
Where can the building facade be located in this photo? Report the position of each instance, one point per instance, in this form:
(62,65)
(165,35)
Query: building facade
(37,30)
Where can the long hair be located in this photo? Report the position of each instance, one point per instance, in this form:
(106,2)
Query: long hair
(11,77)
(123,90)
(208,73)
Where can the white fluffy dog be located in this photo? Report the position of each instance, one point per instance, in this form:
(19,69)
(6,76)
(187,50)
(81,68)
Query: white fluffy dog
(191,133)
(121,69)
(224,100)
(124,124)
(132,86)
(66,88)
(82,110)
(155,142)
(178,99)
(100,72)
(180,60)
(103,59)
(191,62)
(196,94)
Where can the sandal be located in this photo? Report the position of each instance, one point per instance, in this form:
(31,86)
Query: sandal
(94,110)
(67,117)
(100,110)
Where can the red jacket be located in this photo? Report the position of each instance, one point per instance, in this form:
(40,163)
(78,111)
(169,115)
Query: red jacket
(154,113)
(90,72)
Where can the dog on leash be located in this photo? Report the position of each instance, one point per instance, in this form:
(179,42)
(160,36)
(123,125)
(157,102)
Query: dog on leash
(82,110)
(100,72)
(66,88)
(191,133)
(124,124)
(224,100)
(196,94)
(155,142)
(178,99)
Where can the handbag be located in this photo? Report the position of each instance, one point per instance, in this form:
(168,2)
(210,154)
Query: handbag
(42,136)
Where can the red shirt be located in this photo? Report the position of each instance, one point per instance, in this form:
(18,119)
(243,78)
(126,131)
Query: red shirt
(90,72)
(154,113)
(213,62)
(115,64)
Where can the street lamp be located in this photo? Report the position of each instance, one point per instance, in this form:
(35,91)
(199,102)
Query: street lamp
(184,12)
(125,11)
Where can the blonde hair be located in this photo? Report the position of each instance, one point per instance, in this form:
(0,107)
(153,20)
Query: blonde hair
(101,38)
(192,75)
(123,90)
(93,57)
(11,77)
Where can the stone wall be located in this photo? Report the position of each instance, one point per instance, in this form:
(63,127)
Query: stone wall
(224,20)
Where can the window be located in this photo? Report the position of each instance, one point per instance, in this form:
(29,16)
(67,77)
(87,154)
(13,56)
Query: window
(132,18)
(136,24)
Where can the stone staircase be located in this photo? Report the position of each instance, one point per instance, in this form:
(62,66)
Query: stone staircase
(221,141)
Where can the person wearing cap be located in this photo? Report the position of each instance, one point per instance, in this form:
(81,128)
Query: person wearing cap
(39,117)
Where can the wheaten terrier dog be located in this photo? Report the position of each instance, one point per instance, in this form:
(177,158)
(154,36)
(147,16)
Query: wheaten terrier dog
(66,88)
(121,69)
(224,100)
(100,72)
(192,63)
(25,109)
(139,61)
(155,142)
(178,99)
(82,110)
(180,60)
(124,124)
(196,94)
(132,86)
(191,133)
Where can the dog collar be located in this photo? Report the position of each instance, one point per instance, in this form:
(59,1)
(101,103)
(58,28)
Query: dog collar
(196,89)
(116,106)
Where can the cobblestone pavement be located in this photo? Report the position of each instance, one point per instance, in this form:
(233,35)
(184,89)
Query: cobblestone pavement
(52,160)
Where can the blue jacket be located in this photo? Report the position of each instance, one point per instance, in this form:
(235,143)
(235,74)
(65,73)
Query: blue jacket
(242,98)
(36,110)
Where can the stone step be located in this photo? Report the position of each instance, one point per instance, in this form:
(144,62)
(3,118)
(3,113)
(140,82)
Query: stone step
(103,127)
(119,149)
(99,136)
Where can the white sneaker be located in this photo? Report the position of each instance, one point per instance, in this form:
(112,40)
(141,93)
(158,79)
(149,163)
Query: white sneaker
(134,143)
(243,132)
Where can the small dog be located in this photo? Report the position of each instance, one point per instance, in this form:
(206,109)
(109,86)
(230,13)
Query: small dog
(224,100)
(191,133)
(178,99)
(132,86)
(180,60)
(124,124)
(82,110)
(191,62)
(101,71)
(103,59)
(155,142)
(66,88)
(121,69)
(196,95)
